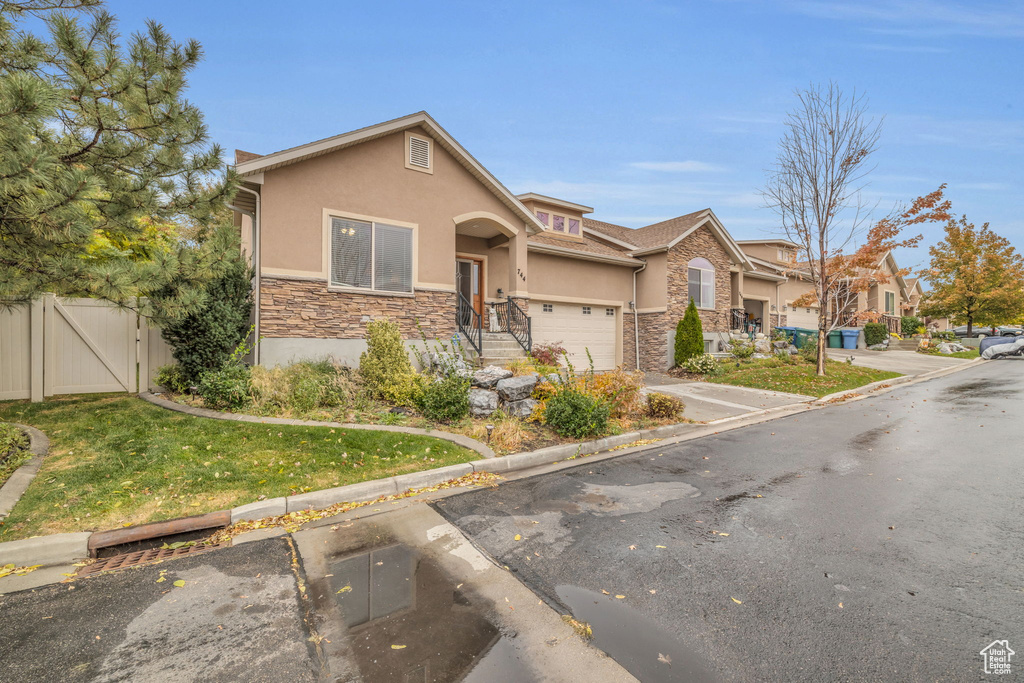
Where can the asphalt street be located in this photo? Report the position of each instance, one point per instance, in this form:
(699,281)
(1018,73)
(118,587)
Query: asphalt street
(236,615)
(879,539)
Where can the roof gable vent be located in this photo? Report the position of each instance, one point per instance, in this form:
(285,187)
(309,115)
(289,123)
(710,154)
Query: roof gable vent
(419,152)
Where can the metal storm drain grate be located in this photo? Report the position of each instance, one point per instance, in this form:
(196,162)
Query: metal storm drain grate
(110,564)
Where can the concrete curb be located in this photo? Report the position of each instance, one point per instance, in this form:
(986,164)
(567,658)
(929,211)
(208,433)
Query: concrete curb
(874,387)
(64,548)
(459,439)
(15,486)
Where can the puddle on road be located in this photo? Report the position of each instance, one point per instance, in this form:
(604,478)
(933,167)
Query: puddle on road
(634,641)
(389,614)
(978,389)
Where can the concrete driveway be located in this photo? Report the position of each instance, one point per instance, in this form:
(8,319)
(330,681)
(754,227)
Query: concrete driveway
(706,401)
(904,362)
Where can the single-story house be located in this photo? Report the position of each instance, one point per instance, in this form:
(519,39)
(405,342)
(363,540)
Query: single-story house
(399,220)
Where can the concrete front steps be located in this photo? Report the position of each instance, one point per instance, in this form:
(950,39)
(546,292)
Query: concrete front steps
(500,348)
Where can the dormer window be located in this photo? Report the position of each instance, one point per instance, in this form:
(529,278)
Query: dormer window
(786,255)
(558,223)
(574,226)
(543,217)
(419,153)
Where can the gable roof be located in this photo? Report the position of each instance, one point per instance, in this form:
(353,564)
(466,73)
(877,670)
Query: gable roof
(776,240)
(666,234)
(267,162)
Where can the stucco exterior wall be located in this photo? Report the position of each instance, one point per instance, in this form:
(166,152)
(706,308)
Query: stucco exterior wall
(371,179)
(652,283)
(557,278)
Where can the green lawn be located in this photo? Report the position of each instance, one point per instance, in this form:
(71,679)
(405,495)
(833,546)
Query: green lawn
(13,450)
(970,353)
(117,460)
(800,378)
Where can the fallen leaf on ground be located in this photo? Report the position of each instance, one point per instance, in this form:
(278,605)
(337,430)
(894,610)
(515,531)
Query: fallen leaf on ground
(605,592)
(652,591)
(518,537)
(344,589)
(664,659)
(661,546)
(632,547)
(738,602)
(620,597)
(840,605)
(398,647)
(179,583)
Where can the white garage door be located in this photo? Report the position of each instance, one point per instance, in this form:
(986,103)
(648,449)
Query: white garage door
(799,317)
(579,328)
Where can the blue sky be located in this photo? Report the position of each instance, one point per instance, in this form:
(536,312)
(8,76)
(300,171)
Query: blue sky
(643,110)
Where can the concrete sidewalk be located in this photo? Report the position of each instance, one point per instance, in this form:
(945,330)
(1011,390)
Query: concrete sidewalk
(904,362)
(706,401)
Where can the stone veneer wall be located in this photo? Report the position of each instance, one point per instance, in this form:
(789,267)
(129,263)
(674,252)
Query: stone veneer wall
(655,327)
(701,244)
(628,340)
(307,309)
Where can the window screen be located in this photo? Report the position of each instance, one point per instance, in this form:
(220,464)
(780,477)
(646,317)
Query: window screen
(351,247)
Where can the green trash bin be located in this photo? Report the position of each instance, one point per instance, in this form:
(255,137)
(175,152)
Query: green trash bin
(835,339)
(802,334)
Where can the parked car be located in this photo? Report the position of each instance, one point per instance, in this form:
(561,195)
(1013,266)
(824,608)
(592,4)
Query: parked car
(978,330)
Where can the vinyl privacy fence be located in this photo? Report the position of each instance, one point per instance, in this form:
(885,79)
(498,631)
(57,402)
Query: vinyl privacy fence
(76,346)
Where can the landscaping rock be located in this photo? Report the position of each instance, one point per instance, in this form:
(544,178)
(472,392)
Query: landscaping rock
(482,402)
(762,346)
(516,388)
(554,378)
(489,376)
(780,344)
(792,350)
(449,364)
(521,409)
(879,347)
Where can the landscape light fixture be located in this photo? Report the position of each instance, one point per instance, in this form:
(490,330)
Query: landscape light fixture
(490,428)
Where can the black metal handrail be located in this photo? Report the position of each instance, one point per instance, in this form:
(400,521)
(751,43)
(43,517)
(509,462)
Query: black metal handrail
(470,323)
(739,317)
(513,319)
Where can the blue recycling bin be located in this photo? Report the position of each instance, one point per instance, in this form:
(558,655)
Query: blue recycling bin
(850,339)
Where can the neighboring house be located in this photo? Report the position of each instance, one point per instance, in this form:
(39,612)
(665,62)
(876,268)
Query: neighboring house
(889,296)
(398,220)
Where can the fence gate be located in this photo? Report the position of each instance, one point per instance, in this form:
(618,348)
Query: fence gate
(76,346)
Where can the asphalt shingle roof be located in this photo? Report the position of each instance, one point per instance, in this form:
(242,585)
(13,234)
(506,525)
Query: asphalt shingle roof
(650,236)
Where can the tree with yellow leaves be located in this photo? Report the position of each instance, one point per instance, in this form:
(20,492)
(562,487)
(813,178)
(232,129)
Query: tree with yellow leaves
(975,275)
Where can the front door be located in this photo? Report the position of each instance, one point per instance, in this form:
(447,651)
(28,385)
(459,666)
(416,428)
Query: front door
(469,281)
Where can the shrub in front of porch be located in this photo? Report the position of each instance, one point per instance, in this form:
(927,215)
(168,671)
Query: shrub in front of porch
(385,366)
(689,336)
(574,414)
(875,333)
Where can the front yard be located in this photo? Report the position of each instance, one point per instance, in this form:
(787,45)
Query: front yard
(797,376)
(117,460)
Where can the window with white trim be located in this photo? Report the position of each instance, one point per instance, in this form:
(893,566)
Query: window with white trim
(370,255)
(890,303)
(701,282)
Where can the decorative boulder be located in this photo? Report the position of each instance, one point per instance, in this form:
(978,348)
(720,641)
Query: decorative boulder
(554,378)
(878,347)
(762,346)
(521,409)
(780,344)
(482,402)
(490,376)
(449,364)
(516,388)
(793,350)
(945,348)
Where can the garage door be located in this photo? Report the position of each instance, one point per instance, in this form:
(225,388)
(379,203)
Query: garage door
(578,327)
(799,317)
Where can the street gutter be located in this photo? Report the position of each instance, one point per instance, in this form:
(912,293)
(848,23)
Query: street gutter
(70,547)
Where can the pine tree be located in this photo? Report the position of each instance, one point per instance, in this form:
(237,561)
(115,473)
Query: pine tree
(97,142)
(689,335)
